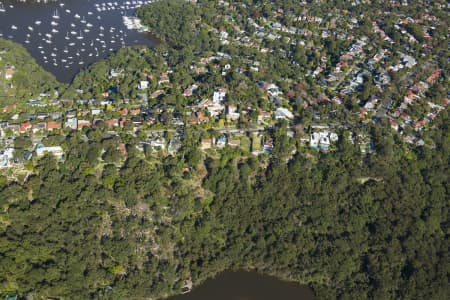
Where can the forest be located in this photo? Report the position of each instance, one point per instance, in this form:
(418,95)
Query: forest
(109,225)
(29,79)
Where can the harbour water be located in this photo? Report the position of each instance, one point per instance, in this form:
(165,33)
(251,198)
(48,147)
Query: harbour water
(66,36)
(244,285)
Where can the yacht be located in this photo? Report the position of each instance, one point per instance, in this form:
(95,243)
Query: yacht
(68,11)
(53,23)
(73,25)
(55,14)
(38,22)
(30,28)
(13,27)
(77,16)
(54,30)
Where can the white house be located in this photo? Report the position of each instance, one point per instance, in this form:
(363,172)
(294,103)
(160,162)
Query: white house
(143,85)
(322,140)
(72,123)
(219,96)
(283,113)
(57,151)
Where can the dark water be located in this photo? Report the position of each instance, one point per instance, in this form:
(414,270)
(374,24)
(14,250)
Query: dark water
(80,41)
(247,286)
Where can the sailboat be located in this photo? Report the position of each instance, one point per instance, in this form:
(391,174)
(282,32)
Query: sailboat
(67,36)
(2,8)
(80,37)
(55,14)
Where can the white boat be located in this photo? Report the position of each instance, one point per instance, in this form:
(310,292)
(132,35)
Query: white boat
(68,11)
(53,23)
(67,36)
(54,30)
(71,44)
(66,50)
(80,37)
(73,25)
(48,35)
(38,22)
(30,28)
(83,20)
(86,30)
(55,14)
(77,16)
(89,25)
(13,27)
(73,32)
